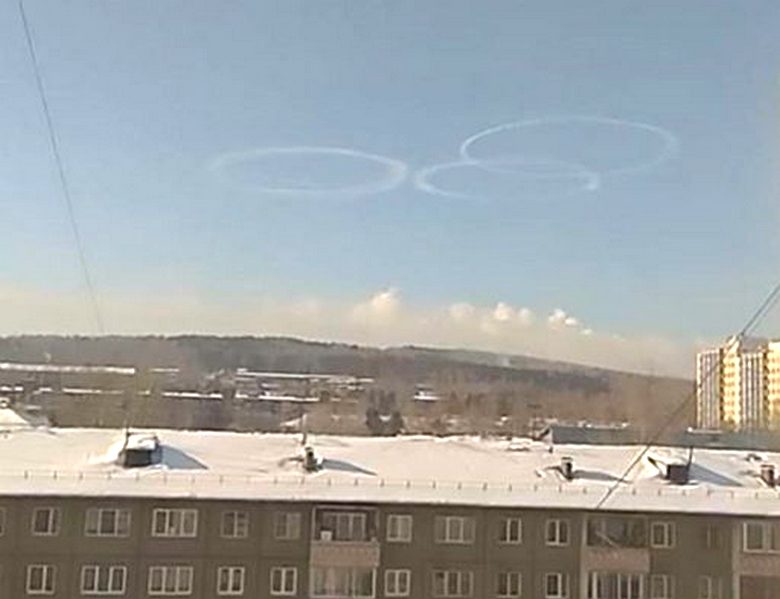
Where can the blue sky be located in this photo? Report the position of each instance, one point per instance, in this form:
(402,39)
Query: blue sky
(150,99)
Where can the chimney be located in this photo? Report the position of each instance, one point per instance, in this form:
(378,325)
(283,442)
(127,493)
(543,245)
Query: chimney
(768,475)
(310,463)
(567,468)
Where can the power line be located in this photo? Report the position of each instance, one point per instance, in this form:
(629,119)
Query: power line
(760,313)
(55,150)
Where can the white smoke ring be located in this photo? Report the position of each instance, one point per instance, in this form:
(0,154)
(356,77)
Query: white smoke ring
(670,144)
(395,171)
(591,180)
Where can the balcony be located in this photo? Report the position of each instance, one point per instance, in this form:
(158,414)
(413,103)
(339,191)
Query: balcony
(616,559)
(359,554)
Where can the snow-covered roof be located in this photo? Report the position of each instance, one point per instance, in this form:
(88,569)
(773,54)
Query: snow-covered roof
(66,369)
(407,469)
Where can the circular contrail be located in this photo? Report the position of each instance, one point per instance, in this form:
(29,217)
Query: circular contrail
(669,141)
(523,168)
(395,171)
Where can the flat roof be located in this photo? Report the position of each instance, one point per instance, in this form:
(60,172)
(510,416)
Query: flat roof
(457,470)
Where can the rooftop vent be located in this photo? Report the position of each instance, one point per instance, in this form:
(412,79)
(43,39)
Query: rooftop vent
(567,468)
(678,474)
(140,450)
(310,461)
(768,475)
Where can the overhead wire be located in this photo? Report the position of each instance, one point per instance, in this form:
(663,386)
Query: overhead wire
(766,306)
(62,178)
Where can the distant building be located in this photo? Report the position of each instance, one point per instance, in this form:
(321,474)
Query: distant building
(738,385)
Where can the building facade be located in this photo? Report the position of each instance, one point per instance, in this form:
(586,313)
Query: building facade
(76,547)
(738,385)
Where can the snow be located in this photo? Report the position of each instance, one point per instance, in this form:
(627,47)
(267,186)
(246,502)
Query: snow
(66,369)
(407,469)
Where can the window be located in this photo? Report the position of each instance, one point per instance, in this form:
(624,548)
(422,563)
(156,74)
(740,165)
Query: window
(234,525)
(103,580)
(661,586)
(399,528)
(40,579)
(454,529)
(170,580)
(344,526)
(613,531)
(230,580)
(615,585)
(509,584)
(556,585)
(107,522)
(557,532)
(284,580)
(511,531)
(712,537)
(398,583)
(452,583)
(46,521)
(174,523)
(287,526)
(2,521)
(761,537)
(662,535)
(342,582)
(709,587)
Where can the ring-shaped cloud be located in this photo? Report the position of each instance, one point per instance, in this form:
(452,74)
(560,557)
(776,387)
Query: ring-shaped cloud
(525,171)
(668,143)
(390,172)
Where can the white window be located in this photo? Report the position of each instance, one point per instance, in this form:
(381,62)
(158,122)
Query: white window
(46,521)
(170,580)
(234,525)
(509,585)
(557,532)
(174,522)
(103,580)
(661,586)
(556,585)
(230,580)
(452,583)
(398,583)
(761,537)
(454,529)
(399,528)
(662,535)
(615,585)
(41,579)
(2,521)
(342,582)
(344,526)
(107,522)
(709,587)
(287,526)
(284,581)
(511,531)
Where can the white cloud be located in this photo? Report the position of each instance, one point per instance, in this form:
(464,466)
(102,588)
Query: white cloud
(382,319)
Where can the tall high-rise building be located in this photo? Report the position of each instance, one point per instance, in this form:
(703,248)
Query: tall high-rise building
(738,385)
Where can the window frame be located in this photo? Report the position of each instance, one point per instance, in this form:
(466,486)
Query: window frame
(398,574)
(668,586)
(468,529)
(3,520)
(287,517)
(519,584)
(504,536)
(231,572)
(171,531)
(714,587)
(563,585)
(399,518)
(166,569)
(98,511)
(283,571)
(236,529)
(558,525)
(462,575)
(48,575)
(770,532)
(95,590)
(53,521)
(669,534)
